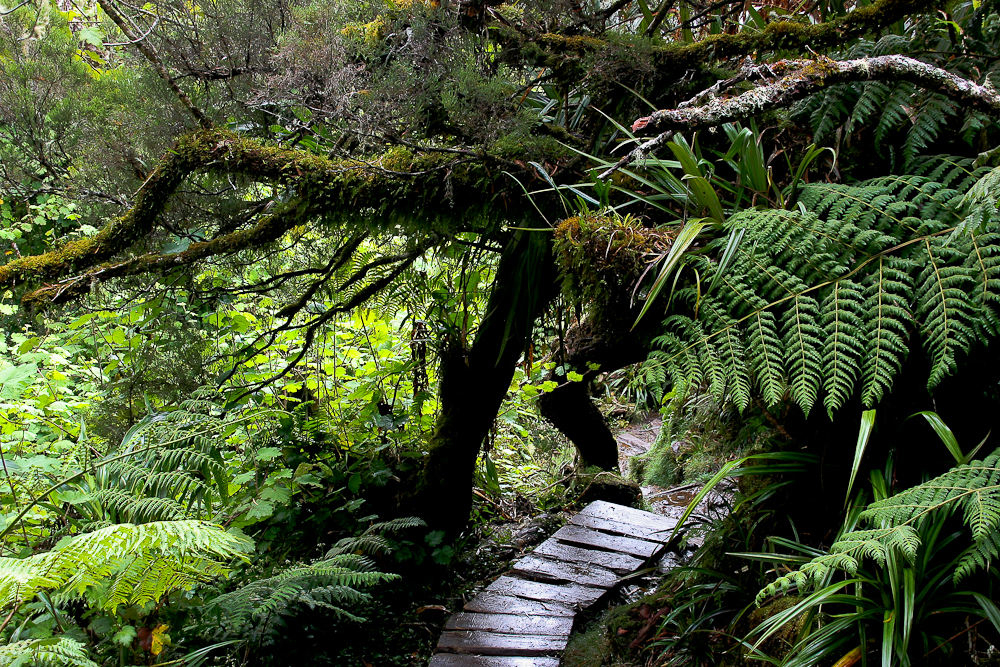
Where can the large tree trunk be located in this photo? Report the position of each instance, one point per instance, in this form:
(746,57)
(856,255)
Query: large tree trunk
(474,382)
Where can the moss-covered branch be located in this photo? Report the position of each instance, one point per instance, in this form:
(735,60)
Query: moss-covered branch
(116,237)
(267,230)
(399,189)
(558,51)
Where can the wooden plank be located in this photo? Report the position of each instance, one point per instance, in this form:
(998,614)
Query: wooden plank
(537,567)
(511,624)
(459,660)
(619,528)
(489,602)
(616,562)
(493,643)
(626,545)
(630,440)
(569,594)
(623,514)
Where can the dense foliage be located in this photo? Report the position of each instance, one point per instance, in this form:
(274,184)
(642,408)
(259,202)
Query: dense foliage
(297,294)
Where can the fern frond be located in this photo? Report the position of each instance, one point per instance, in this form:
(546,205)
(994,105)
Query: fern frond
(888,321)
(49,652)
(944,307)
(763,344)
(843,349)
(930,115)
(973,488)
(894,112)
(870,103)
(803,344)
(981,204)
(732,357)
(136,564)
(332,583)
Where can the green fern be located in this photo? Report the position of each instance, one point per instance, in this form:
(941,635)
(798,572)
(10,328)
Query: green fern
(259,609)
(127,564)
(886,114)
(843,349)
(822,301)
(49,652)
(170,466)
(973,489)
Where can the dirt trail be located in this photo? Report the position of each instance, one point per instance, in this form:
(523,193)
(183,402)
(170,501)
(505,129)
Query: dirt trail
(637,439)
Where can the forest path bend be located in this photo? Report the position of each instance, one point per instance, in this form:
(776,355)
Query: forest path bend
(525,617)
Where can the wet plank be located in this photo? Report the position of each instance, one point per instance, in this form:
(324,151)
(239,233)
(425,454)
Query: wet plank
(579,535)
(535,567)
(619,527)
(616,562)
(572,595)
(524,618)
(511,624)
(489,602)
(459,660)
(620,513)
(493,643)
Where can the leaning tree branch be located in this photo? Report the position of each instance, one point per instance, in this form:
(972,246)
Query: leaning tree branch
(267,230)
(398,188)
(799,79)
(557,51)
(142,43)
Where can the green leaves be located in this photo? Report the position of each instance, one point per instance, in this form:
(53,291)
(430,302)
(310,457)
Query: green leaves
(843,346)
(124,563)
(14,379)
(973,488)
(685,237)
(887,326)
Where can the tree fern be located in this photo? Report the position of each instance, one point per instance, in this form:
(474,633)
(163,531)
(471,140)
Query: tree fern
(973,489)
(823,300)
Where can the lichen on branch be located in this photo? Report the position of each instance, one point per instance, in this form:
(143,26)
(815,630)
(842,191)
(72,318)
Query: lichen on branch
(797,79)
(805,77)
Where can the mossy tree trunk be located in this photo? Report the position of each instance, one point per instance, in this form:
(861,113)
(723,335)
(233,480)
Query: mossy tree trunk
(474,382)
(591,349)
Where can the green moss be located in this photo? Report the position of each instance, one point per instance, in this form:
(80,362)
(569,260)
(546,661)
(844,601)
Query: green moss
(601,256)
(565,54)
(588,649)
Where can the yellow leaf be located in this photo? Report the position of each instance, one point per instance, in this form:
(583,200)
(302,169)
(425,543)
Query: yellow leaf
(160,639)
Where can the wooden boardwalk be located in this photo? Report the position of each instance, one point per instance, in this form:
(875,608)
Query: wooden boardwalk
(524,618)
